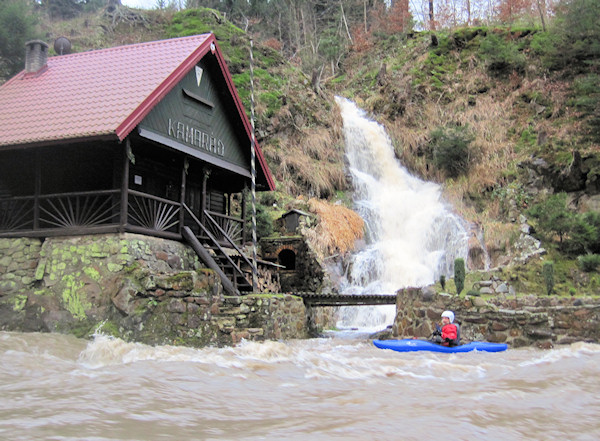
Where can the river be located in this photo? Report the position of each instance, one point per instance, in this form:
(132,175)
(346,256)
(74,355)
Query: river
(57,387)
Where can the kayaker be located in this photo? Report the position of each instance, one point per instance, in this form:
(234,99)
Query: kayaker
(448,334)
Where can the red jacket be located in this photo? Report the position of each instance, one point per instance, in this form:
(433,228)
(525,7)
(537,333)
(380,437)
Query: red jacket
(449,331)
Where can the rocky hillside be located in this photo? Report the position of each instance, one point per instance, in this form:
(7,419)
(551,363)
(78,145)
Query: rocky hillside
(486,112)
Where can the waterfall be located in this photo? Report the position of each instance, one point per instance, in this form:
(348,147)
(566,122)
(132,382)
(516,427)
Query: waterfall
(412,236)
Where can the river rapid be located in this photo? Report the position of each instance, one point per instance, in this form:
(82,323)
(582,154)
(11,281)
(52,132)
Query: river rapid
(57,387)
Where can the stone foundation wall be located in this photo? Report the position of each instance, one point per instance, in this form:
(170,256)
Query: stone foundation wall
(136,287)
(518,321)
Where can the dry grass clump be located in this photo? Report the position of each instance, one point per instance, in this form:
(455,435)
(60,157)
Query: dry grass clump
(337,230)
(309,163)
(499,235)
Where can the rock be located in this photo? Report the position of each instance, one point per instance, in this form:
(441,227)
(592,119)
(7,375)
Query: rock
(502,288)
(540,333)
(428,293)
(479,302)
(123,299)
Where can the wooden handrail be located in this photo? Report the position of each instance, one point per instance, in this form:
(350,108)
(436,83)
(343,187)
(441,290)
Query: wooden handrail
(224,216)
(155,198)
(214,240)
(228,238)
(56,195)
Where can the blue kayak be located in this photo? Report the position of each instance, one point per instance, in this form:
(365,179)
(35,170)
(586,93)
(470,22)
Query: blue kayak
(411,345)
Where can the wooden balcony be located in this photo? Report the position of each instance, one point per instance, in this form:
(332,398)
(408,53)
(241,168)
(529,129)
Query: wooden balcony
(107,211)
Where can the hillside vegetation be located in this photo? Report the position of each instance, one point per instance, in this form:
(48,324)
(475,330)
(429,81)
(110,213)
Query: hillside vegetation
(505,118)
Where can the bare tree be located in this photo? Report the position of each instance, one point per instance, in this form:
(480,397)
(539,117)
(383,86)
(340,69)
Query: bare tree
(541,5)
(431,16)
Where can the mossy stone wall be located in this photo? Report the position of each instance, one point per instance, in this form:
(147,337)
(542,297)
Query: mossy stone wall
(519,321)
(135,287)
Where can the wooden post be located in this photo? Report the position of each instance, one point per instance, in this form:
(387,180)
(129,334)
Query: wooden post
(205,175)
(184,170)
(125,184)
(244,236)
(37,190)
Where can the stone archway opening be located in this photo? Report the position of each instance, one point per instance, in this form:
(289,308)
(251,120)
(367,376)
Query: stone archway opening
(287,258)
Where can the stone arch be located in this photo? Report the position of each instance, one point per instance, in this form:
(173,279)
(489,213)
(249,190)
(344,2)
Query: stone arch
(287,258)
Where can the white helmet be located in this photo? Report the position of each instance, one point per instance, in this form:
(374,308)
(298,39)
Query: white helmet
(448,314)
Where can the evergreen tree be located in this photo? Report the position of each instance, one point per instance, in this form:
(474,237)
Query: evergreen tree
(17,26)
(548,274)
(578,30)
(552,216)
(459,274)
(63,8)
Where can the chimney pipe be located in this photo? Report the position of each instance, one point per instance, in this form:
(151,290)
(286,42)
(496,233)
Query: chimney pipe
(36,55)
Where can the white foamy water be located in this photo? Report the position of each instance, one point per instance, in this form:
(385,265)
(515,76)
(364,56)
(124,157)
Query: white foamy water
(412,235)
(55,387)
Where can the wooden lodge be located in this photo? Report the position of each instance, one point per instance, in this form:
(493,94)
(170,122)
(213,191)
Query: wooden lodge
(148,138)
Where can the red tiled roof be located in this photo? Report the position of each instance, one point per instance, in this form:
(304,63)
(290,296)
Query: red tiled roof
(103,93)
(89,94)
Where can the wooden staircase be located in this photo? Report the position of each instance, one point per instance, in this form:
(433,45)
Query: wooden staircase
(224,257)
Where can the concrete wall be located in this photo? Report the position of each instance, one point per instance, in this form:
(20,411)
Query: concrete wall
(135,287)
(518,321)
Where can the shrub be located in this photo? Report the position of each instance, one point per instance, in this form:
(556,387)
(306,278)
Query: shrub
(501,55)
(552,216)
(577,34)
(264,224)
(548,274)
(589,262)
(587,101)
(459,274)
(583,234)
(450,147)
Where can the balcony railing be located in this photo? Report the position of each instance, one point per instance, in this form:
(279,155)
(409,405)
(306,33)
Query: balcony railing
(152,214)
(79,210)
(102,211)
(222,226)
(16,214)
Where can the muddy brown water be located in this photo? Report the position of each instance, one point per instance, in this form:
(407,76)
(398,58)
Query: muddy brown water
(56,387)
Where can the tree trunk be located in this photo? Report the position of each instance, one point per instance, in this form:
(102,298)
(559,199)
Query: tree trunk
(541,4)
(365,15)
(345,22)
(468,6)
(431,16)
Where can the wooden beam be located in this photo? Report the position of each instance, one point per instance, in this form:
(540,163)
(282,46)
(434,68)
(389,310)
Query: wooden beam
(244,191)
(205,175)
(125,184)
(184,170)
(37,190)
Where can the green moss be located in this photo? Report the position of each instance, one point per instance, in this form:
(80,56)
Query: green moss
(114,267)
(20,302)
(132,268)
(183,280)
(81,329)
(92,273)
(72,297)
(108,328)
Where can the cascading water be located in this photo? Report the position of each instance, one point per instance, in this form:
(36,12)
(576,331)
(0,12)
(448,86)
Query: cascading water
(412,237)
